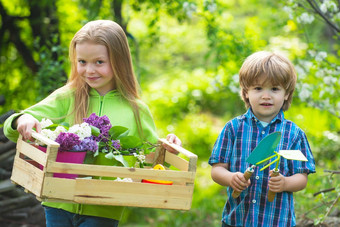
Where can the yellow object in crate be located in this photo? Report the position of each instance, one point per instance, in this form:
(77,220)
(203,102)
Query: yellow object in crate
(158,167)
(26,172)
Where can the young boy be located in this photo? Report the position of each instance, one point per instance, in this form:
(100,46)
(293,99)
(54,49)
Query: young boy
(267,83)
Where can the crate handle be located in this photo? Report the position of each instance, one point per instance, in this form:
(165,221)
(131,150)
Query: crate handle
(179,149)
(192,157)
(44,139)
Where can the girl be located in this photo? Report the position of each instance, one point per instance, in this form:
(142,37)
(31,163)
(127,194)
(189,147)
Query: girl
(102,81)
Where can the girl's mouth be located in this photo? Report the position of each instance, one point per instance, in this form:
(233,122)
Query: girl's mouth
(92,78)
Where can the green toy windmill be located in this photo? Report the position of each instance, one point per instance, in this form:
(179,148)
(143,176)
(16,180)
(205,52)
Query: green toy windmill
(265,151)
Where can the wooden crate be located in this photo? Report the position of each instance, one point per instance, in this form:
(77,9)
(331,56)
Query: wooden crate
(26,172)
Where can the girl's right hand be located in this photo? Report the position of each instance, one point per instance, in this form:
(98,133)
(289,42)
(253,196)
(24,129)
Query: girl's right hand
(25,123)
(238,182)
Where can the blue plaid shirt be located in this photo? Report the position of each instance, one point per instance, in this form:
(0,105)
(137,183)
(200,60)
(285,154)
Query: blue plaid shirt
(233,146)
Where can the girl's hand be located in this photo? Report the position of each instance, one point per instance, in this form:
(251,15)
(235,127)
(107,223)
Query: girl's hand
(172,138)
(238,182)
(25,123)
(276,183)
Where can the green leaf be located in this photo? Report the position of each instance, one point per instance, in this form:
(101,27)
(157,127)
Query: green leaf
(119,158)
(54,126)
(128,142)
(118,131)
(65,125)
(95,131)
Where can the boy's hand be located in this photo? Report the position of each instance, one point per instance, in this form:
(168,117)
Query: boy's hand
(238,182)
(276,183)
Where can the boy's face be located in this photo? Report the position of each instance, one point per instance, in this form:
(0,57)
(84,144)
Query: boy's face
(266,99)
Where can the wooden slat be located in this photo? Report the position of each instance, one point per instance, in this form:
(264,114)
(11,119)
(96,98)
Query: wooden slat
(44,139)
(176,161)
(133,194)
(113,171)
(58,188)
(27,176)
(33,153)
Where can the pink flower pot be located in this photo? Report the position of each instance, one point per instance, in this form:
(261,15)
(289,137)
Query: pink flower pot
(67,157)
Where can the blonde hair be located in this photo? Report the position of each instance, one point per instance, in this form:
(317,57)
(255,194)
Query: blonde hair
(112,36)
(275,68)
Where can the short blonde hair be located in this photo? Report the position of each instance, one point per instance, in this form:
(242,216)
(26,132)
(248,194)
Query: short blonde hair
(276,69)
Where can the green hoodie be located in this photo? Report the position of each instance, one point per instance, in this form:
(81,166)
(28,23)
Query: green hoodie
(59,106)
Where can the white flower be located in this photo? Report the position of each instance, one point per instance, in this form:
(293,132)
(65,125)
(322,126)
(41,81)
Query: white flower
(45,123)
(320,56)
(189,8)
(49,134)
(305,92)
(328,6)
(83,130)
(305,18)
(124,179)
(140,157)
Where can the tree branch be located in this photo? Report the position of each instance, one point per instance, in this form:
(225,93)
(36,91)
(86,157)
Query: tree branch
(317,10)
(8,23)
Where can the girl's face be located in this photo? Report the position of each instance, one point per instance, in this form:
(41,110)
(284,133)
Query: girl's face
(266,100)
(93,65)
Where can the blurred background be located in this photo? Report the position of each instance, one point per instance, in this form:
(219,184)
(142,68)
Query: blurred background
(186,56)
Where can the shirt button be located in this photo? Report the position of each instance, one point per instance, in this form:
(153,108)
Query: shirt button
(254,201)
(257,177)
(263,132)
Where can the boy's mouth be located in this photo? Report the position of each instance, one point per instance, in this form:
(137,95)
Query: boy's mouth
(266,104)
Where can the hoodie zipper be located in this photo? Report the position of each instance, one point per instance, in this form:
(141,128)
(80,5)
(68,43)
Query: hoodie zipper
(101,100)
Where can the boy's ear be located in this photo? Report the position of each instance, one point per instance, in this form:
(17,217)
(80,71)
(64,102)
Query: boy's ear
(286,97)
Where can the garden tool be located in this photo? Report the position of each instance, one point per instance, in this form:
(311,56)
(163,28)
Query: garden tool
(287,154)
(261,153)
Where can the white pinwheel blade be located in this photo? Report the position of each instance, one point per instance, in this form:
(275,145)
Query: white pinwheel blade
(293,155)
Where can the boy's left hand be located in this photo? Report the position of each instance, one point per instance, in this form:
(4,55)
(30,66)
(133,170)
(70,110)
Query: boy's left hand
(276,183)
(172,138)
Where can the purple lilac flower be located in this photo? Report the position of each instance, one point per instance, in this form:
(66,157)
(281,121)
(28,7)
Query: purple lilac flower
(102,123)
(116,144)
(88,144)
(67,141)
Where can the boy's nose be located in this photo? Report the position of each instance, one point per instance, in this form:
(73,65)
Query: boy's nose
(266,95)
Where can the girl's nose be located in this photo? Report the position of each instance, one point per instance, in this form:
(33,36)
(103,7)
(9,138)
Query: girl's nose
(90,69)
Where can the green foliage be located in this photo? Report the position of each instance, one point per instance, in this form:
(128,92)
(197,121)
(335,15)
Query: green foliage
(51,74)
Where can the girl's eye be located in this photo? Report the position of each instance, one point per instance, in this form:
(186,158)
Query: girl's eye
(99,62)
(82,62)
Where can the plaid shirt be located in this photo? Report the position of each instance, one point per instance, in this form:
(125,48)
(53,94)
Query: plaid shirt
(233,146)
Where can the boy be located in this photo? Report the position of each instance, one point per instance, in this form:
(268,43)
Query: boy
(267,83)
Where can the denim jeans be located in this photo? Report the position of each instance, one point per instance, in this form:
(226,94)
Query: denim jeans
(61,218)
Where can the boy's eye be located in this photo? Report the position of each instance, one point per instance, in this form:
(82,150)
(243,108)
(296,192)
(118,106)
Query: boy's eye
(258,88)
(275,88)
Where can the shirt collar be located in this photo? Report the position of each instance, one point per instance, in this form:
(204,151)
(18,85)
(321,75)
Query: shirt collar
(250,115)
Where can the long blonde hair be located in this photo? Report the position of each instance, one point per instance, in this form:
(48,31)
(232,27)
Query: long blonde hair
(112,36)
(275,68)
